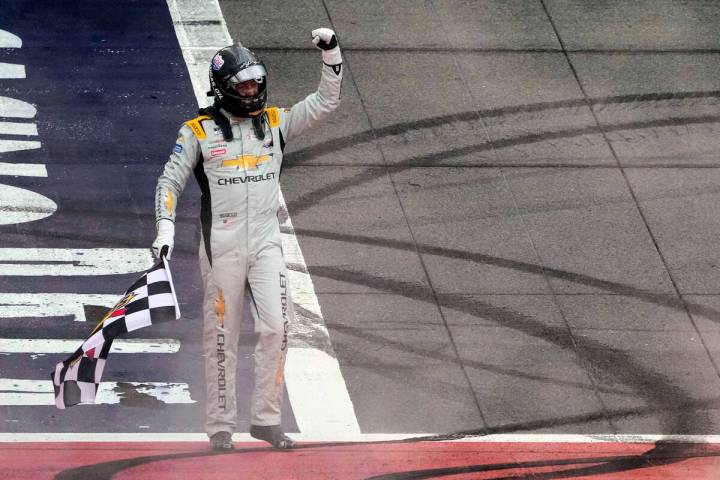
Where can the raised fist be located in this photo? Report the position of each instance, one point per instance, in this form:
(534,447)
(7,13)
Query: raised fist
(326,40)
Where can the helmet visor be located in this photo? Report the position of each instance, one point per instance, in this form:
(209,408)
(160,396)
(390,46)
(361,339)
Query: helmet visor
(254,72)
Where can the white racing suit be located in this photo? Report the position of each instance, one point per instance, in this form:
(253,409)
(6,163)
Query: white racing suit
(241,244)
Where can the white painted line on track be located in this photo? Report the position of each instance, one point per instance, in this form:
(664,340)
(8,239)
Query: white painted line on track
(18,145)
(317,390)
(21,392)
(9,40)
(73,261)
(360,437)
(310,374)
(23,169)
(12,70)
(12,107)
(47,345)
(14,305)
(18,205)
(18,128)
(201,31)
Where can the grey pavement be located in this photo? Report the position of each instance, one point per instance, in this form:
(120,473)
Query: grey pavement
(511,222)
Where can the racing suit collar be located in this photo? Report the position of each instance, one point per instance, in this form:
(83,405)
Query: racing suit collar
(234,119)
(231,117)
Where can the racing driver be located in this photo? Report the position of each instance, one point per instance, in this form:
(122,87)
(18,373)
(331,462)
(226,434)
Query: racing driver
(235,151)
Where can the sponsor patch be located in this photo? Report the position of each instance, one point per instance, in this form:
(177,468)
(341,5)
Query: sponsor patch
(273,116)
(244,180)
(218,152)
(169,201)
(286,322)
(246,161)
(217,62)
(221,381)
(220,308)
(195,126)
(280,373)
(178,148)
(228,219)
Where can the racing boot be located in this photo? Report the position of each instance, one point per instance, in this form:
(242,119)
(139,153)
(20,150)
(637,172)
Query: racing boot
(222,441)
(272,434)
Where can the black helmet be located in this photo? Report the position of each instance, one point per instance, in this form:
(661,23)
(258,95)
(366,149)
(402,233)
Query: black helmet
(230,67)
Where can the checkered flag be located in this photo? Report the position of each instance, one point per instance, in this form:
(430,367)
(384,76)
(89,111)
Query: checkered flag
(149,300)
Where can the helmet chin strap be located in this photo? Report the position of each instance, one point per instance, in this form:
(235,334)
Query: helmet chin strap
(224,124)
(257,123)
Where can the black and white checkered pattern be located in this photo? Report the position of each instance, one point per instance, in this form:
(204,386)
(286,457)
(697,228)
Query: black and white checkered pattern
(151,299)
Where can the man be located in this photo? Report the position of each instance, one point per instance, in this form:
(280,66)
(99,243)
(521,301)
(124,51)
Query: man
(235,150)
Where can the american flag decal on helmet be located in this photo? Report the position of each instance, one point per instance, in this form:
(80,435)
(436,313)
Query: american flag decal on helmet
(217,62)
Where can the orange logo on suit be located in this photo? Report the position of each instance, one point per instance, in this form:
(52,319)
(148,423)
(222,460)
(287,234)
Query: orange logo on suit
(220,309)
(246,161)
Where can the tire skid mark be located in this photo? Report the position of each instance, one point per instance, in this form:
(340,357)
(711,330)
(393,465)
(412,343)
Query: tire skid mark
(370,174)
(662,299)
(660,455)
(360,333)
(471,117)
(653,387)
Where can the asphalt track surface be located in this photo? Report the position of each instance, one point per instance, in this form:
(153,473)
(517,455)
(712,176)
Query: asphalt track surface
(510,223)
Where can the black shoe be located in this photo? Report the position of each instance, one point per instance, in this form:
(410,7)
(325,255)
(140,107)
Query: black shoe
(273,435)
(222,441)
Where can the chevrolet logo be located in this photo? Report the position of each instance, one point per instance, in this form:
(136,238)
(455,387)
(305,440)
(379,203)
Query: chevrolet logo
(246,161)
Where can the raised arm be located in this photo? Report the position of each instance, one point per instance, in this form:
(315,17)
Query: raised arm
(318,105)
